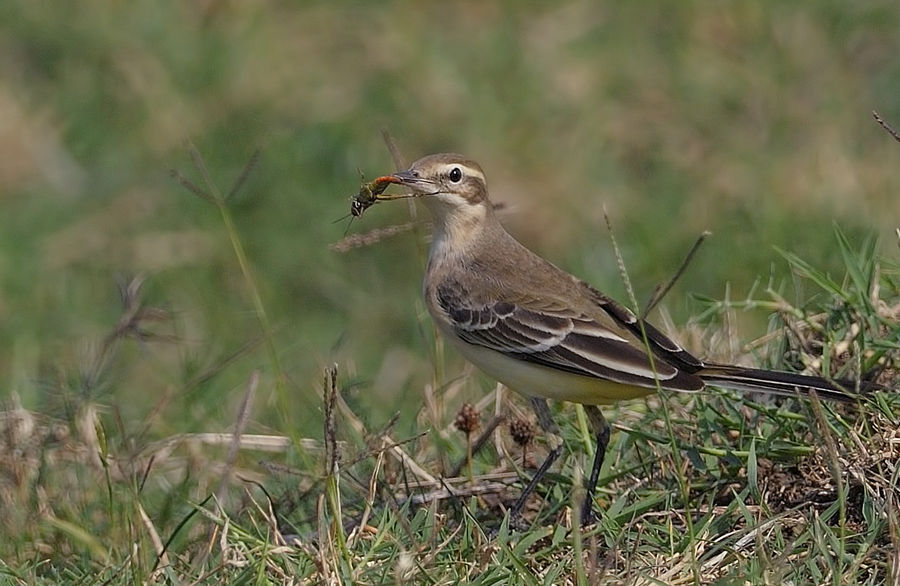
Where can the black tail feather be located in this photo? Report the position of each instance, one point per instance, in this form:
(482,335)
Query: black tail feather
(779,383)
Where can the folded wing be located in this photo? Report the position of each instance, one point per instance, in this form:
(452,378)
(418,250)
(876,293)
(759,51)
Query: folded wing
(570,341)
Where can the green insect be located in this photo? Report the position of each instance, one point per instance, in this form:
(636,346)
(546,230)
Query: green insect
(368,193)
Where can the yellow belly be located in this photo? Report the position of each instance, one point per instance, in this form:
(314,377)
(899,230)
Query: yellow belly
(539,381)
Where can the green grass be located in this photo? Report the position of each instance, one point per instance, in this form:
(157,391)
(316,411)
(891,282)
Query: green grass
(135,317)
(710,488)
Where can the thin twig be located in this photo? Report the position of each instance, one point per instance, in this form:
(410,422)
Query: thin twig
(386,447)
(456,493)
(886,126)
(506,476)
(399,164)
(659,293)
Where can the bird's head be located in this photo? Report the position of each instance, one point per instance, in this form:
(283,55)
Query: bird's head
(448,183)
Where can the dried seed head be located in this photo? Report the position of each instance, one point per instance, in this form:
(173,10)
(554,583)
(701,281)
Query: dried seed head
(522,431)
(468,419)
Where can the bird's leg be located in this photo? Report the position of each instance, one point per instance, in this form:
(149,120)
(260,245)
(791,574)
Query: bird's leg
(545,420)
(600,428)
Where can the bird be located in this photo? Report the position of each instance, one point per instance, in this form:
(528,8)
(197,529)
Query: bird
(545,333)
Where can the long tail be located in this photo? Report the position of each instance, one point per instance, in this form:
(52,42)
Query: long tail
(777,383)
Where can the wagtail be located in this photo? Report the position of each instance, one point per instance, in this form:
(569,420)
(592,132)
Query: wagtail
(543,332)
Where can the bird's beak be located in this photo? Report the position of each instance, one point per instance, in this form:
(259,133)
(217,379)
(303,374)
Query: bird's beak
(411,179)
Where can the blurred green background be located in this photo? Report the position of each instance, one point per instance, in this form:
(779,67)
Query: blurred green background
(749,119)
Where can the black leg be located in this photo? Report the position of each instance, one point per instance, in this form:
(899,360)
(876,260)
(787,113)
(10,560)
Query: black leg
(545,420)
(601,431)
(538,476)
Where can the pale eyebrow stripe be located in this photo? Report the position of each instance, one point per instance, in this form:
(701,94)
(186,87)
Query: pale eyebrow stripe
(475,173)
(470,171)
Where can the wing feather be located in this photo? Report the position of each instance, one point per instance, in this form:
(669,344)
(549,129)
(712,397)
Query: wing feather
(566,340)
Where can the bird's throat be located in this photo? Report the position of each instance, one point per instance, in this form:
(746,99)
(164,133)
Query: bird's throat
(457,226)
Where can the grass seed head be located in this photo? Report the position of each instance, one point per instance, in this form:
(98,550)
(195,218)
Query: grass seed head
(468,419)
(522,431)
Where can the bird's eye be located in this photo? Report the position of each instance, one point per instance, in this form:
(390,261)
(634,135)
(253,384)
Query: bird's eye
(455,175)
